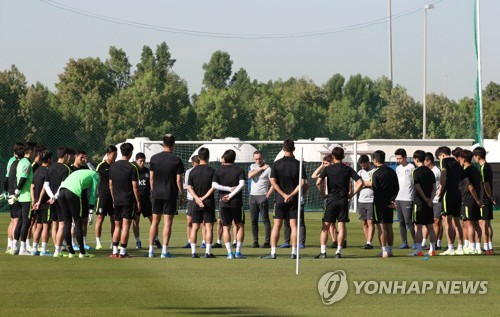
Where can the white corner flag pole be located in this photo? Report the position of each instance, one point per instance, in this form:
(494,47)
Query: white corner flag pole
(299,209)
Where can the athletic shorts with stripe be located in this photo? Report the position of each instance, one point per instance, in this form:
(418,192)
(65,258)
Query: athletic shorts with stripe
(125,212)
(56,212)
(104,205)
(487,210)
(422,214)
(471,212)
(452,204)
(43,214)
(382,214)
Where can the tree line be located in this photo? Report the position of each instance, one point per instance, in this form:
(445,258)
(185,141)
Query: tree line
(104,102)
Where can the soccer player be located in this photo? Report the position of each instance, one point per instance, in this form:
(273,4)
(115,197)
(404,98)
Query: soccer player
(80,162)
(10,187)
(451,175)
(286,183)
(471,201)
(104,205)
(260,190)
(424,183)
(200,188)
(229,180)
(41,204)
(404,200)
(145,193)
(165,177)
(488,199)
(287,230)
(337,200)
(24,178)
(437,205)
(57,173)
(385,186)
(365,201)
(70,197)
(195,161)
(123,179)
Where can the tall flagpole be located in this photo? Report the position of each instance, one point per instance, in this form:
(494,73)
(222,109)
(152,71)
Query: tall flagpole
(299,209)
(479,89)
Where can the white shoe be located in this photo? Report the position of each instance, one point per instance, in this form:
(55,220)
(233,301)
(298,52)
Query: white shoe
(24,252)
(71,255)
(8,249)
(448,252)
(98,246)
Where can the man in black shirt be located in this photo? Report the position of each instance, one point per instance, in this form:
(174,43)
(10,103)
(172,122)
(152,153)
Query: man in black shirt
(123,179)
(229,179)
(200,187)
(424,182)
(451,175)
(165,177)
(337,200)
(80,162)
(488,198)
(471,201)
(384,182)
(10,187)
(104,205)
(285,180)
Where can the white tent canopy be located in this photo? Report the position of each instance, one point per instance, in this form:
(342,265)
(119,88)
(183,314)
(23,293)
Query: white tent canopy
(313,152)
(244,152)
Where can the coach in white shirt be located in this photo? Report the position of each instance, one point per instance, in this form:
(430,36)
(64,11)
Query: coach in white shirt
(404,200)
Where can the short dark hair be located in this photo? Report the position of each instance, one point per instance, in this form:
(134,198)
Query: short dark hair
(70,151)
(204,154)
(17,145)
(39,149)
(466,155)
(20,151)
(196,159)
(289,145)
(379,156)
(328,157)
(456,151)
(480,151)
(257,152)
(363,159)
(126,149)
(140,155)
(401,152)
(338,153)
(29,146)
(429,156)
(111,149)
(229,156)
(169,140)
(419,155)
(62,151)
(443,150)
(81,152)
(45,156)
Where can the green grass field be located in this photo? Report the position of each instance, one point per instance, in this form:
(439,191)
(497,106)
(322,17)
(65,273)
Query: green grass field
(183,286)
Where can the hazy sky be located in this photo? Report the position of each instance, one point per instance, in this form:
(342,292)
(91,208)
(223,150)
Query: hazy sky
(348,37)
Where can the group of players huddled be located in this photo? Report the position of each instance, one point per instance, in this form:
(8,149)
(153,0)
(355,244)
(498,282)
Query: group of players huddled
(48,195)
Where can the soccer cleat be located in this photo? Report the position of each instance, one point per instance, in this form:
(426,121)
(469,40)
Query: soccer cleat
(416,253)
(404,245)
(45,253)
(230,256)
(217,246)
(448,252)
(321,256)
(469,251)
(238,255)
(385,255)
(98,246)
(390,254)
(124,256)
(14,251)
(187,246)
(8,250)
(478,252)
(439,248)
(431,253)
(203,245)
(157,243)
(293,256)
(76,248)
(334,245)
(34,252)
(195,256)
(86,255)
(285,245)
(57,255)
(166,255)
(271,257)
(255,245)
(113,256)
(338,256)
(425,247)
(209,256)
(414,246)
(368,246)
(459,252)
(138,245)
(71,255)
(151,255)
(24,252)
(88,247)
(266,245)
(302,246)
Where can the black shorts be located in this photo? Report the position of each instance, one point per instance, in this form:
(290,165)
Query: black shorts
(206,215)
(487,210)
(438,210)
(190,205)
(382,214)
(230,214)
(471,212)
(422,214)
(104,205)
(43,215)
(452,204)
(146,207)
(365,211)
(165,207)
(336,209)
(125,212)
(15,210)
(56,212)
(286,211)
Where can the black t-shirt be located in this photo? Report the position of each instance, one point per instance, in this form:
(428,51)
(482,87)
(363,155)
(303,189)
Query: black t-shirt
(229,175)
(122,173)
(453,176)
(487,177)
(39,178)
(144,185)
(103,186)
(286,172)
(35,166)
(385,185)
(12,177)
(338,179)
(471,176)
(425,178)
(57,174)
(201,178)
(165,167)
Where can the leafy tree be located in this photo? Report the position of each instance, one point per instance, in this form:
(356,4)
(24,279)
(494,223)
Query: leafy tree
(217,71)
(491,110)
(119,67)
